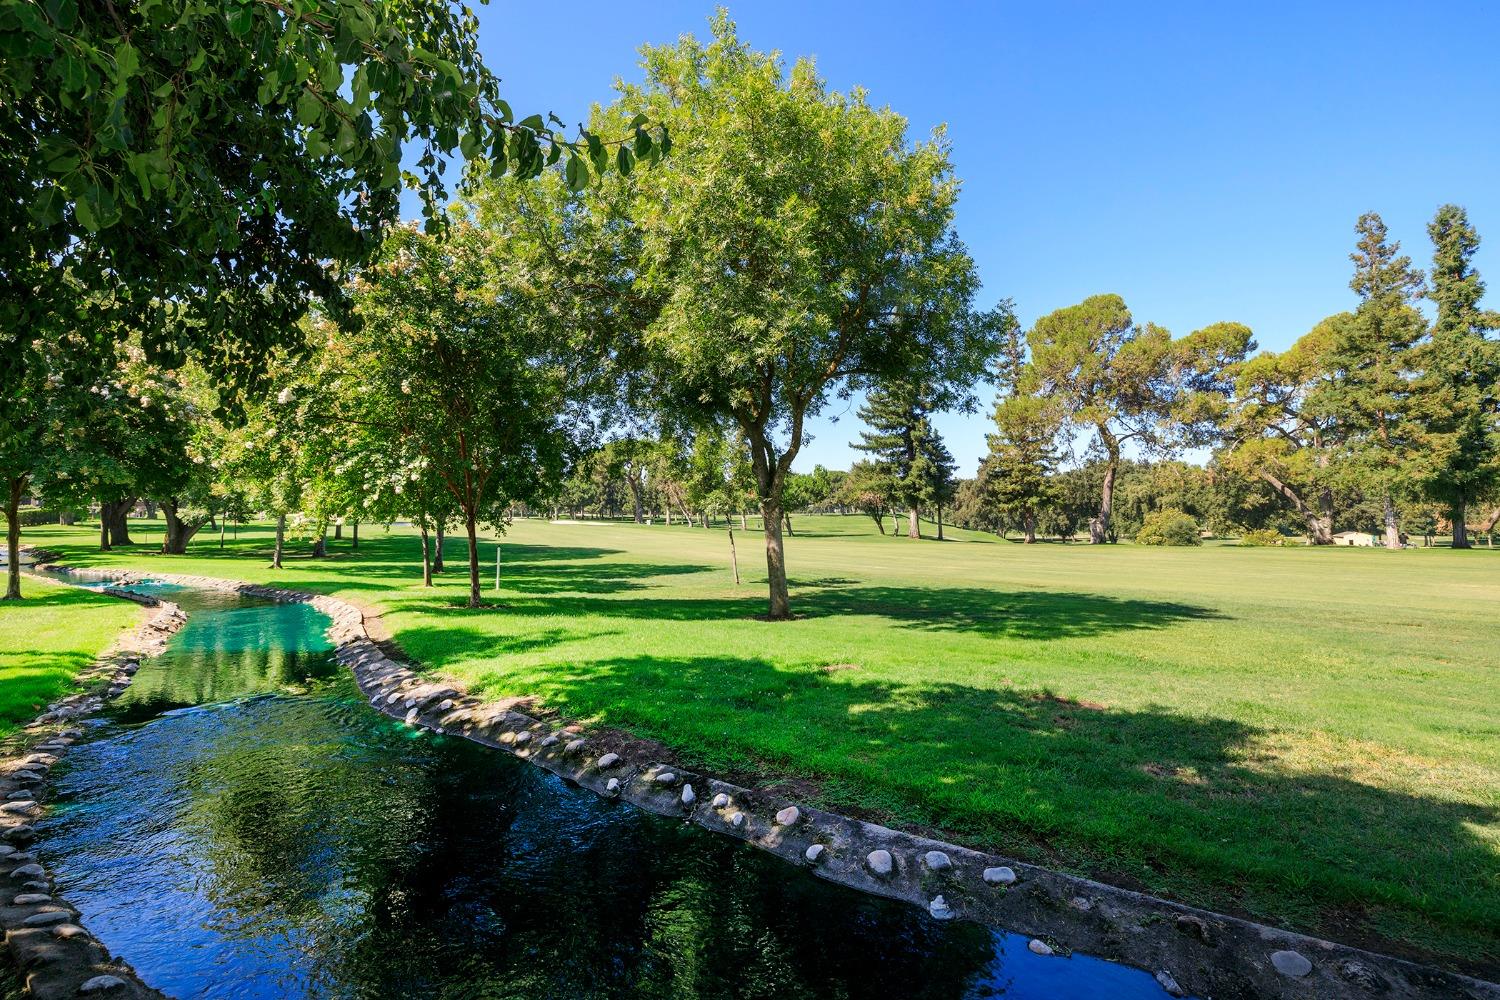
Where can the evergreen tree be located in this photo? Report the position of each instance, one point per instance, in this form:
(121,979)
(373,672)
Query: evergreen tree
(1459,377)
(908,454)
(1371,389)
(1023,454)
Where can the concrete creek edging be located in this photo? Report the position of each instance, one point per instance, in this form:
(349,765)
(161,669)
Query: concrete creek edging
(1190,951)
(57,956)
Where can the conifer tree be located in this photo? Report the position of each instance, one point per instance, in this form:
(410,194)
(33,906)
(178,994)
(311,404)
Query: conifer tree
(908,453)
(1016,477)
(1371,390)
(1459,377)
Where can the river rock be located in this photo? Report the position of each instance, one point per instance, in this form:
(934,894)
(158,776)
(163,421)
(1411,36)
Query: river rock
(550,741)
(68,931)
(608,760)
(688,795)
(32,870)
(936,861)
(101,984)
(28,796)
(737,820)
(47,918)
(999,876)
(720,801)
(573,746)
(1291,963)
(1169,984)
(26,776)
(789,816)
(666,778)
(6,850)
(31,898)
(940,909)
(814,854)
(1039,947)
(16,808)
(612,786)
(23,832)
(523,737)
(880,862)
(411,716)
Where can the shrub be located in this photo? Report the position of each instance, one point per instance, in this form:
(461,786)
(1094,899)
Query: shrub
(1263,536)
(1168,527)
(30,517)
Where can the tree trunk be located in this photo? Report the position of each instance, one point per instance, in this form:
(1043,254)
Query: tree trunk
(637,501)
(913,524)
(471,527)
(119,526)
(745,525)
(179,532)
(1458,515)
(1099,523)
(320,547)
(780,598)
(13,539)
(666,510)
(940,522)
(1028,521)
(280,540)
(880,522)
(151,509)
(1392,524)
(787,518)
(734,559)
(438,565)
(354,542)
(104,527)
(426,560)
(338,530)
(223,530)
(1319,522)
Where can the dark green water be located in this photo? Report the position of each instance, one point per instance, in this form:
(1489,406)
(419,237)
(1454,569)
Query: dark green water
(244,825)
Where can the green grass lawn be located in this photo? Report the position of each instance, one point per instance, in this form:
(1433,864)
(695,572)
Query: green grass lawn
(1308,736)
(46,640)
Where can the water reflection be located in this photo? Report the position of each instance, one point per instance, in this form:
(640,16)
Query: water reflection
(284,845)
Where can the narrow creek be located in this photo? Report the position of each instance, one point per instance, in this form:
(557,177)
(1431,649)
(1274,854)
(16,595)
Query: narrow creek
(241,824)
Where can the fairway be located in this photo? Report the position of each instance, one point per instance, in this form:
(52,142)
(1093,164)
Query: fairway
(1308,736)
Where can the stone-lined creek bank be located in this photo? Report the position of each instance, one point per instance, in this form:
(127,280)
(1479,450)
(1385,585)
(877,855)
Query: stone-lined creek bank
(1060,919)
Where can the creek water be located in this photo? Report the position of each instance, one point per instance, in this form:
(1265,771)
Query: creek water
(243,825)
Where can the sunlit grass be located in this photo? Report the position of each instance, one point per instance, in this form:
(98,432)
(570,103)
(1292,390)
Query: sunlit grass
(1308,736)
(46,640)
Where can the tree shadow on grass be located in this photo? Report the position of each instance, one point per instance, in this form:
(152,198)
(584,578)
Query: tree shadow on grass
(1198,807)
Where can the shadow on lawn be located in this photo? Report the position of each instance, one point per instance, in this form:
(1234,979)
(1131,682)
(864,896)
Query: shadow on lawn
(1184,804)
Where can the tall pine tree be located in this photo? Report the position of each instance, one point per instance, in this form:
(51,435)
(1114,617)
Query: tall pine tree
(1023,456)
(908,453)
(1458,377)
(1371,389)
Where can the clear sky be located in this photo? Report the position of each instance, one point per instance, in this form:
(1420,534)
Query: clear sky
(1206,161)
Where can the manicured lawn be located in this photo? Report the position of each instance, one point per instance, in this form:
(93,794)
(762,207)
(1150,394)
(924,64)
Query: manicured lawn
(46,640)
(1308,736)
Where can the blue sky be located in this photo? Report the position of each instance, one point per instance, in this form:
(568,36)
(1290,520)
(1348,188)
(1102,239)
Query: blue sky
(1205,161)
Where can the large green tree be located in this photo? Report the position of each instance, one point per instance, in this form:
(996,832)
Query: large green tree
(905,448)
(209,167)
(1458,378)
(1015,478)
(457,359)
(797,243)
(1131,384)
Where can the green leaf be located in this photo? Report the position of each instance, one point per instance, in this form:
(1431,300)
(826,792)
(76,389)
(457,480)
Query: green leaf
(533,122)
(127,61)
(309,108)
(624,159)
(506,115)
(576,173)
(47,209)
(642,143)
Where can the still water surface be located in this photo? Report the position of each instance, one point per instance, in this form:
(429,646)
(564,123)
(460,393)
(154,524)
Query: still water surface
(243,825)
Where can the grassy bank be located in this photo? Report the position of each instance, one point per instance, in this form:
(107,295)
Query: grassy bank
(1308,736)
(46,640)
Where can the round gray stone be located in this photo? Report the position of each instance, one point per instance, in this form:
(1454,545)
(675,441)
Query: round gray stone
(688,795)
(612,786)
(937,861)
(999,876)
(1039,947)
(28,871)
(1291,963)
(789,816)
(814,854)
(573,746)
(880,862)
(608,760)
(31,898)
(1169,984)
(737,820)
(101,984)
(720,801)
(940,909)
(666,778)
